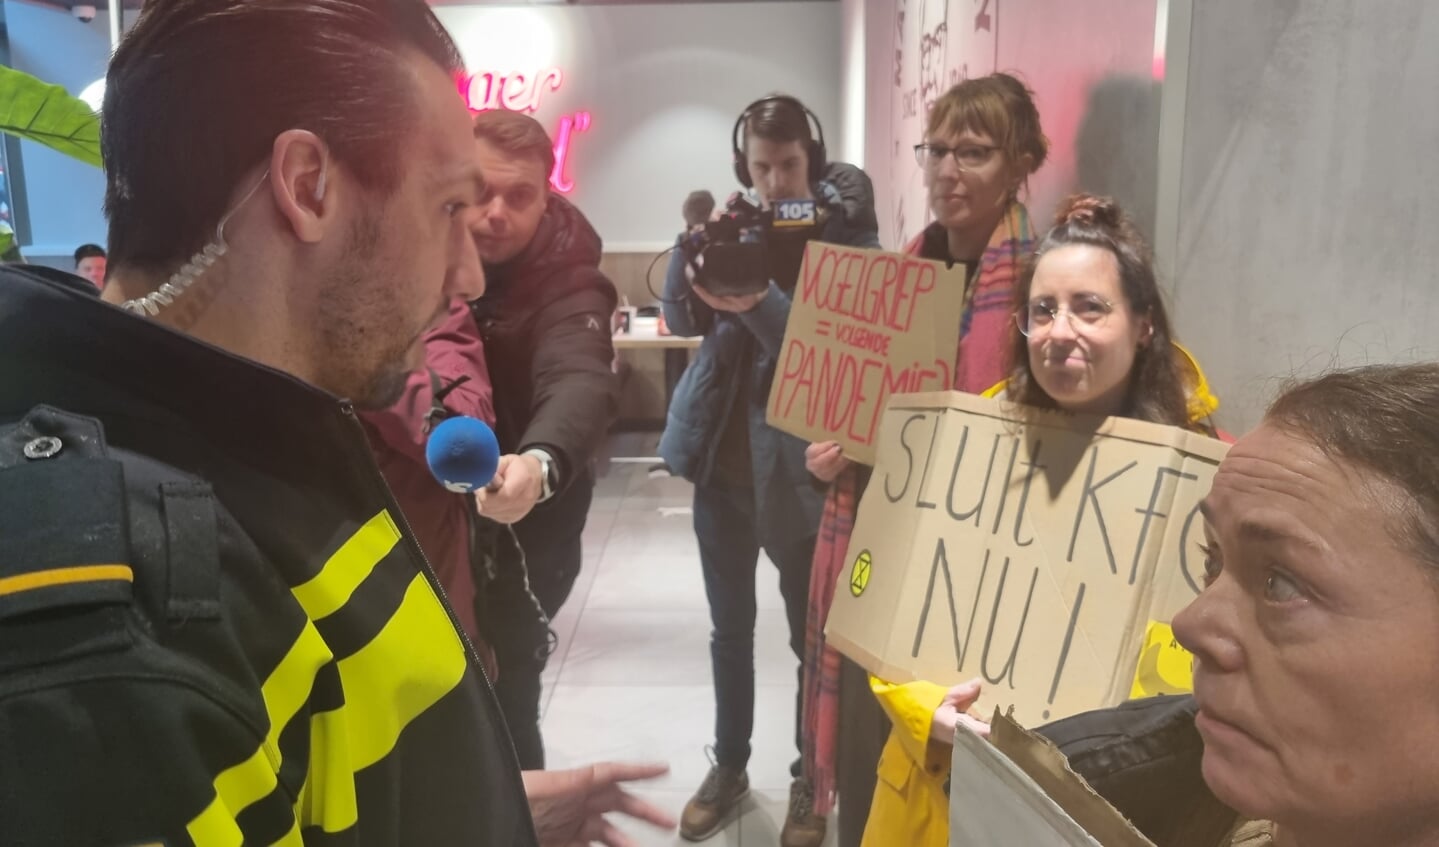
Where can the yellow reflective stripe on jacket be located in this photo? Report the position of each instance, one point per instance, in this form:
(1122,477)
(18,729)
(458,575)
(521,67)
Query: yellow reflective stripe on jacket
(236,789)
(284,693)
(327,799)
(387,684)
(289,685)
(331,588)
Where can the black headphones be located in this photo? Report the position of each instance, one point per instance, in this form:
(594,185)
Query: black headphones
(815,148)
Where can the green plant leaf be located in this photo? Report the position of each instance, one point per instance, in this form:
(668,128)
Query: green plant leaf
(9,250)
(49,115)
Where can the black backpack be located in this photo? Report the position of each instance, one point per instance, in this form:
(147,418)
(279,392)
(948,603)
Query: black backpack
(1144,757)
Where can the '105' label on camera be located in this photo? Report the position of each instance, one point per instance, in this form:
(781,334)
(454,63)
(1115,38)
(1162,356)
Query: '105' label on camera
(794,213)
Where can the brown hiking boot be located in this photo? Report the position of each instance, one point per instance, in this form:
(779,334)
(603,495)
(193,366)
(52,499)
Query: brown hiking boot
(802,827)
(713,805)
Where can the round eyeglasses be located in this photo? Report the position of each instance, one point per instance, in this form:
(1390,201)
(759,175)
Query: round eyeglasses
(1085,312)
(968,156)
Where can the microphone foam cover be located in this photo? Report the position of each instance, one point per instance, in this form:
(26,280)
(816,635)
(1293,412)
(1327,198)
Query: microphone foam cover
(463,454)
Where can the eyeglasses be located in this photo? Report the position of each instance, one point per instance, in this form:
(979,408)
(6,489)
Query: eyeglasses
(1085,312)
(968,156)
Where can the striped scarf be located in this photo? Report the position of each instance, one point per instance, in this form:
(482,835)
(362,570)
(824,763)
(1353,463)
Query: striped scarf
(983,339)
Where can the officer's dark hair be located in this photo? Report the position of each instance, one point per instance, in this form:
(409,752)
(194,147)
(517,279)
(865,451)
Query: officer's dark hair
(198,91)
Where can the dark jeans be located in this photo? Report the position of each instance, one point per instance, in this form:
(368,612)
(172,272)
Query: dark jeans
(866,728)
(550,539)
(724,519)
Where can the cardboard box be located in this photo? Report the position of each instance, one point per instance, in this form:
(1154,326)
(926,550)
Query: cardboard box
(1031,549)
(1000,794)
(864,324)
(1017,789)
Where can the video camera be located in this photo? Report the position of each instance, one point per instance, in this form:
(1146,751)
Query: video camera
(733,255)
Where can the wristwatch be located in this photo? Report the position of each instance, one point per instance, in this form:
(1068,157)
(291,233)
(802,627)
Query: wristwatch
(547,472)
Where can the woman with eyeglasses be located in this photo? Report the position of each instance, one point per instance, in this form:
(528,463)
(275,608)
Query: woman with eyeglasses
(1093,333)
(1089,335)
(982,143)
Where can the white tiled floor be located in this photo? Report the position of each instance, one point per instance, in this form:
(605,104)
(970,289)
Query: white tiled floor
(631,677)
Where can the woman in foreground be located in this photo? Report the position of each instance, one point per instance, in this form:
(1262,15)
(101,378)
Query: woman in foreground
(1316,638)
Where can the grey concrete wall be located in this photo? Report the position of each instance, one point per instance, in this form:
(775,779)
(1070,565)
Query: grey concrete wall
(1307,214)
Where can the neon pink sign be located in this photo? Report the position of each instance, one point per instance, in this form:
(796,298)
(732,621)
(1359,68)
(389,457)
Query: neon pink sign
(522,92)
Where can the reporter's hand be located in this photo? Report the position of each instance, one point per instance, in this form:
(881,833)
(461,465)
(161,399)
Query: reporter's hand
(733,303)
(518,492)
(720,303)
(951,713)
(569,807)
(825,460)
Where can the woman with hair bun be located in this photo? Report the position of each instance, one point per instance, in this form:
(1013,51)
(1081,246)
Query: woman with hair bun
(1089,335)
(1092,334)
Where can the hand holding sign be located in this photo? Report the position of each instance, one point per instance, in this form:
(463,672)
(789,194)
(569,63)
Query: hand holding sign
(952,712)
(825,460)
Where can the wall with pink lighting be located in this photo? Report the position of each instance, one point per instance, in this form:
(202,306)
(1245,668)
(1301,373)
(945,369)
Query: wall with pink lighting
(640,99)
(1092,66)
(1280,156)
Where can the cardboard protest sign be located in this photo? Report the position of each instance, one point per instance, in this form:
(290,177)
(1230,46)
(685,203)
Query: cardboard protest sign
(1029,548)
(864,324)
(1017,788)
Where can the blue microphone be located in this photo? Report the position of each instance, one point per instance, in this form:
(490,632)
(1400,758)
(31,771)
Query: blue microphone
(463,454)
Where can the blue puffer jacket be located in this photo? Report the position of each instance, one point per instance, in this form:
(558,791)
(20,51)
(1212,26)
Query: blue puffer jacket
(787,500)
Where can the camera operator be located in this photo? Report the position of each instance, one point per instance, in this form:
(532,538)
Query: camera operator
(752,490)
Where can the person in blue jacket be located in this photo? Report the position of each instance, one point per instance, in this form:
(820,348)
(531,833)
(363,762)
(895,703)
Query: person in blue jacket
(752,490)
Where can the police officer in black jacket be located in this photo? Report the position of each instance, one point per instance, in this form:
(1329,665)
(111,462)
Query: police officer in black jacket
(215,625)
(545,321)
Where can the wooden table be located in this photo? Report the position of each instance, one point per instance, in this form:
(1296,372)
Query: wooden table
(644,335)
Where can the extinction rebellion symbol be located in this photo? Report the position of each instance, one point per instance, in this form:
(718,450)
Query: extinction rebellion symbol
(859,574)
